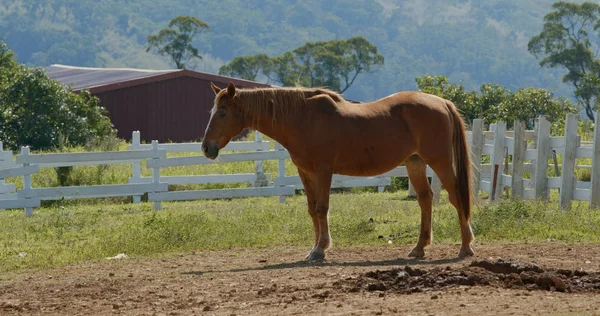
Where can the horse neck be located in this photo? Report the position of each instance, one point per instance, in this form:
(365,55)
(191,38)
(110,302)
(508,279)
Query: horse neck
(273,120)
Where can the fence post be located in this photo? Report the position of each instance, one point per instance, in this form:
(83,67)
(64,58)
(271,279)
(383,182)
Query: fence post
(497,160)
(541,160)
(536,129)
(27,182)
(534,145)
(517,162)
(280,171)
(1,163)
(477,141)
(411,189)
(569,160)
(595,189)
(261,180)
(155,174)
(136,166)
(436,187)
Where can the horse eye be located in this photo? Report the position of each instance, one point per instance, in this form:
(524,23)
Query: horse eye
(222,113)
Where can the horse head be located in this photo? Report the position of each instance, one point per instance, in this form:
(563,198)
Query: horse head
(225,121)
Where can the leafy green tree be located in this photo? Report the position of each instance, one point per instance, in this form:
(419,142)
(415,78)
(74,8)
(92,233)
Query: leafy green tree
(489,99)
(335,64)
(494,102)
(464,100)
(285,70)
(246,67)
(7,61)
(176,40)
(529,103)
(569,40)
(41,113)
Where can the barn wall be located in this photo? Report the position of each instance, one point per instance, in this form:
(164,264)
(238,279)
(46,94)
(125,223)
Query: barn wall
(174,110)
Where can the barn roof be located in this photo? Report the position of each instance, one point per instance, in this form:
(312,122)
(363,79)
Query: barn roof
(98,80)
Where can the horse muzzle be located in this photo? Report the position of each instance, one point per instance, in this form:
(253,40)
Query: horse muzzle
(210,150)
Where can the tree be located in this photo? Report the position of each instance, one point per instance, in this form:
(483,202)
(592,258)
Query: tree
(334,64)
(41,113)
(494,102)
(464,100)
(360,56)
(527,104)
(569,40)
(246,67)
(7,61)
(176,40)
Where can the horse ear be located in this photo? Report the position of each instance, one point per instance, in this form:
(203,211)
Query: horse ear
(215,88)
(231,89)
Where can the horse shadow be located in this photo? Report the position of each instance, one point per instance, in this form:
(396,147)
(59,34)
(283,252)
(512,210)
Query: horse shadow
(325,263)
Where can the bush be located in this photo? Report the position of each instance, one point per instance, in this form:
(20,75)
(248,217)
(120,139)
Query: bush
(41,113)
(494,102)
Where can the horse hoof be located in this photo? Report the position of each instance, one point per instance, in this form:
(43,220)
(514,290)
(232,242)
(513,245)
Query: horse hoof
(417,253)
(466,252)
(316,254)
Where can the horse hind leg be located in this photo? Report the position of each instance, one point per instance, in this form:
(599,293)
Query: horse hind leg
(446,174)
(417,173)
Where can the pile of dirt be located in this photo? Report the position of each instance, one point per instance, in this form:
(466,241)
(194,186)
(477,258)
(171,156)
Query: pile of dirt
(500,274)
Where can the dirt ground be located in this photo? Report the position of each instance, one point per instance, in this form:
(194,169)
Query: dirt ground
(520,279)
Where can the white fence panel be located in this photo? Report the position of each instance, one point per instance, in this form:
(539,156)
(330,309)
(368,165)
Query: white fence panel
(94,191)
(6,188)
(208,179)
(29,197)
(201,160)
(19,203)
(8,169)
(219,194)
(18,171)
(538,187)
(595,173)
(87,158)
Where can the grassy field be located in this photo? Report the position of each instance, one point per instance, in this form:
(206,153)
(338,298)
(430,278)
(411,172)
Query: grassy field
(74,232)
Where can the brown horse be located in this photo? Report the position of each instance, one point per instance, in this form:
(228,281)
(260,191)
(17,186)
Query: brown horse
(325,135)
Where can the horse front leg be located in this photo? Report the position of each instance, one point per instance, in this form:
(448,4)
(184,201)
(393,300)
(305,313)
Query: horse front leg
(322,186)
(311,198)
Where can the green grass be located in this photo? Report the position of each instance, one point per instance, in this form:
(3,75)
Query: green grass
(73,233)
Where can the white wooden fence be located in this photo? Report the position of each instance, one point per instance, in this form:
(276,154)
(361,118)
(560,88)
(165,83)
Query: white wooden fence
(510,156)
(27,164)
(502,173)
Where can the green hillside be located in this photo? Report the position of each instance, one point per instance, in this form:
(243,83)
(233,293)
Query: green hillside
(471,42)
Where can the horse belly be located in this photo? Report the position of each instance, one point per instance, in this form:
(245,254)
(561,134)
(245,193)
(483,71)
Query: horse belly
(372,159)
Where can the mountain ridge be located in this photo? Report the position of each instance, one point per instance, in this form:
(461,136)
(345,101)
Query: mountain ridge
(470,42)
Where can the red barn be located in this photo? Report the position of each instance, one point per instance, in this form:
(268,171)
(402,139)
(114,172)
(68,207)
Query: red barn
(164,105)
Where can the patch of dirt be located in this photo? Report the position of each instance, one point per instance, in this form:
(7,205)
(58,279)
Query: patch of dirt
(519,279)
(499,273)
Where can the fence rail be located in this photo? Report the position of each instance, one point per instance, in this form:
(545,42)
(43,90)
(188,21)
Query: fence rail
(509,154)
(517,160)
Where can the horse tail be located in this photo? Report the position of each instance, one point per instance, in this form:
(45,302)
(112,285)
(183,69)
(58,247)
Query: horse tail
(462,161)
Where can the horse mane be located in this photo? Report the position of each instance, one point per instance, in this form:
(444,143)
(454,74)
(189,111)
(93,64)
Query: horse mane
(280,103)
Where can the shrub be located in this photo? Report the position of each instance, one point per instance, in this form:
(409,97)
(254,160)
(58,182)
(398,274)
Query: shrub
(43,114)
